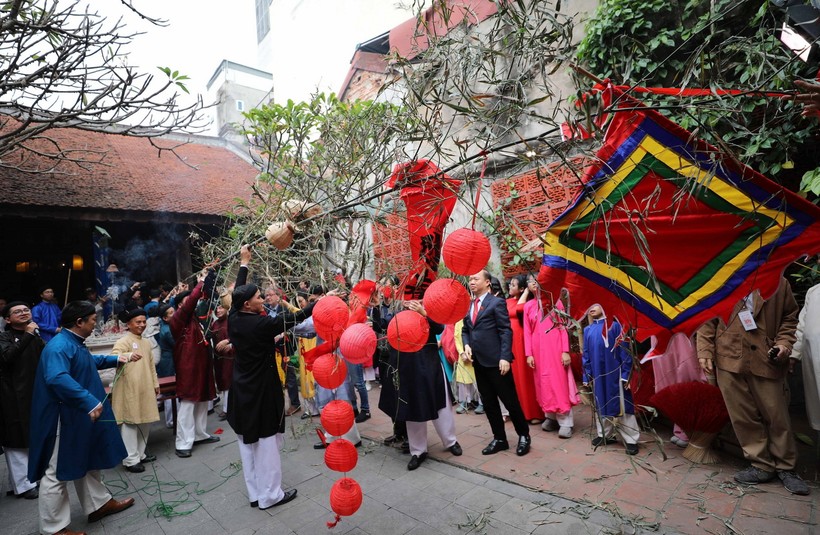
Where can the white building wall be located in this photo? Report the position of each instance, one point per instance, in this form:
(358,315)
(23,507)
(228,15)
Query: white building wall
(311,42)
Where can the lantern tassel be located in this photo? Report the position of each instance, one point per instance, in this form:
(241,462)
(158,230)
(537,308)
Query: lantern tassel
(333,524)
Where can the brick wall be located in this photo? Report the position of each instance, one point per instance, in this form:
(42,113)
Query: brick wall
(529,203)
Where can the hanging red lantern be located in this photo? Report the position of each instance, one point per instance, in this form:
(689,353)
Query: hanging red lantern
(358,343)
(341,455)
(345,498)
(466,251)
(330,316)
(329,371)
(337,417)
(408,331)
(446,301)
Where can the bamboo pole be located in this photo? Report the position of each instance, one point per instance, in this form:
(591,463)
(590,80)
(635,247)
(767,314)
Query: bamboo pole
(67,286)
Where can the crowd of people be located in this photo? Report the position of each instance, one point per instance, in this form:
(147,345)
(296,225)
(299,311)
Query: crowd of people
(240,350)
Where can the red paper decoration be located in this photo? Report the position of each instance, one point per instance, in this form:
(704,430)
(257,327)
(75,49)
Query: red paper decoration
(341,455)
(358,343)
(329,371)
(345,498)
(446,301)
(466,251)
(337,417)
(408,331)
(330,316)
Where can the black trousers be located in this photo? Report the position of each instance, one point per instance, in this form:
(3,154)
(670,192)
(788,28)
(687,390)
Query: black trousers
(492,386)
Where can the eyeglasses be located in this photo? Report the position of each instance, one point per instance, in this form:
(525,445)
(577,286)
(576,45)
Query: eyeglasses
(19,312)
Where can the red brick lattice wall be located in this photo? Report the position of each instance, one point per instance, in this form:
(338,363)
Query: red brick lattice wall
(541,195)
(538,197)
(391,246)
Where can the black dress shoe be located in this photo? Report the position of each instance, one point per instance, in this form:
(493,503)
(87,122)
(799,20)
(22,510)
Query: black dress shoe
(319,446)
(210,440)
(136,468)
(255,503)
(405,447)
(289,496)
(416,460)
(455,449)
(30,494)
(392,439)
(495,446)
(601,441)
(183,453)
(148,458)
(523,446)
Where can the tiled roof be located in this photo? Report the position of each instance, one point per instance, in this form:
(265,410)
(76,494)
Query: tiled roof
(131,175)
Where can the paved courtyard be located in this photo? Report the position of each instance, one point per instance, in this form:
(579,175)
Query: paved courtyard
(561,487)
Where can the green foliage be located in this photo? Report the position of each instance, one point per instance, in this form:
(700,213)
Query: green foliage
(717,44)
(811,181)
(323,152)
(176,78)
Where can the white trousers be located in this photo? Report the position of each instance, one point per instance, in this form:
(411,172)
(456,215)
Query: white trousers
(169,413)
(17,461)
(445,426)
(565,419)
(627,426)
(55,510)
(223,395)
(134,436)
(353,435)
(192,418)
(262,468)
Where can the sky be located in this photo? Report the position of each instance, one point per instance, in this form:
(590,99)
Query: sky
(198,36)
(201,33)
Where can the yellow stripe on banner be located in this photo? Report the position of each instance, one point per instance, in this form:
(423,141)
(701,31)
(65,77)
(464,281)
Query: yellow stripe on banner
(685,168)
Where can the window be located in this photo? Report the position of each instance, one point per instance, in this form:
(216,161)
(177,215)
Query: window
(240,105)
(262,19)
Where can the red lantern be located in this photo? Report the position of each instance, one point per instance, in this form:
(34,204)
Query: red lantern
(329,371)
(358,343)
(330,316)
(345,498)
(337,417)
(446,301)
(341,455)
(466,251)
(408,331)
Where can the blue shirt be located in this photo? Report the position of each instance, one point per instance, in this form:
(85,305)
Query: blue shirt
(47,316)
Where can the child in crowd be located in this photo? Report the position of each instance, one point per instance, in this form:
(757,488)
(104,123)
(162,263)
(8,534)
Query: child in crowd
(607,367)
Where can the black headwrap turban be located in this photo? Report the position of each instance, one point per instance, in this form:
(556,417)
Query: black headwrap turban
(127,315)
(76,310)
(241,294)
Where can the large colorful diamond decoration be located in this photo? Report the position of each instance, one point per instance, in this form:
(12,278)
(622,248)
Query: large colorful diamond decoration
(670,233)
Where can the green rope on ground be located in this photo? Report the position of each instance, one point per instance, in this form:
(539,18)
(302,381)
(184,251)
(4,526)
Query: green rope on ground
(168,508)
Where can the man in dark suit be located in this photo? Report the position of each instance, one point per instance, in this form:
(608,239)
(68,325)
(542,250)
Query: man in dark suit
(487,340)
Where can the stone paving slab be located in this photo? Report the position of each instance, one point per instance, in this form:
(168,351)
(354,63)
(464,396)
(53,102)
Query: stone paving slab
(438,498)
(562,486)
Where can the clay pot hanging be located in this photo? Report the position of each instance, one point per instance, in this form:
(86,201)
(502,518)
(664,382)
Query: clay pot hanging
(341,455)
(337,417)
(329,371)
(280,234)
(446,301)
(330,317)
(358,344)
(408,331)
(466,252)
(299,209)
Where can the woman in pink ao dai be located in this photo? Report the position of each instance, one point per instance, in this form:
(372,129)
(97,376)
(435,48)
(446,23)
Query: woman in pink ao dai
(546,345)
